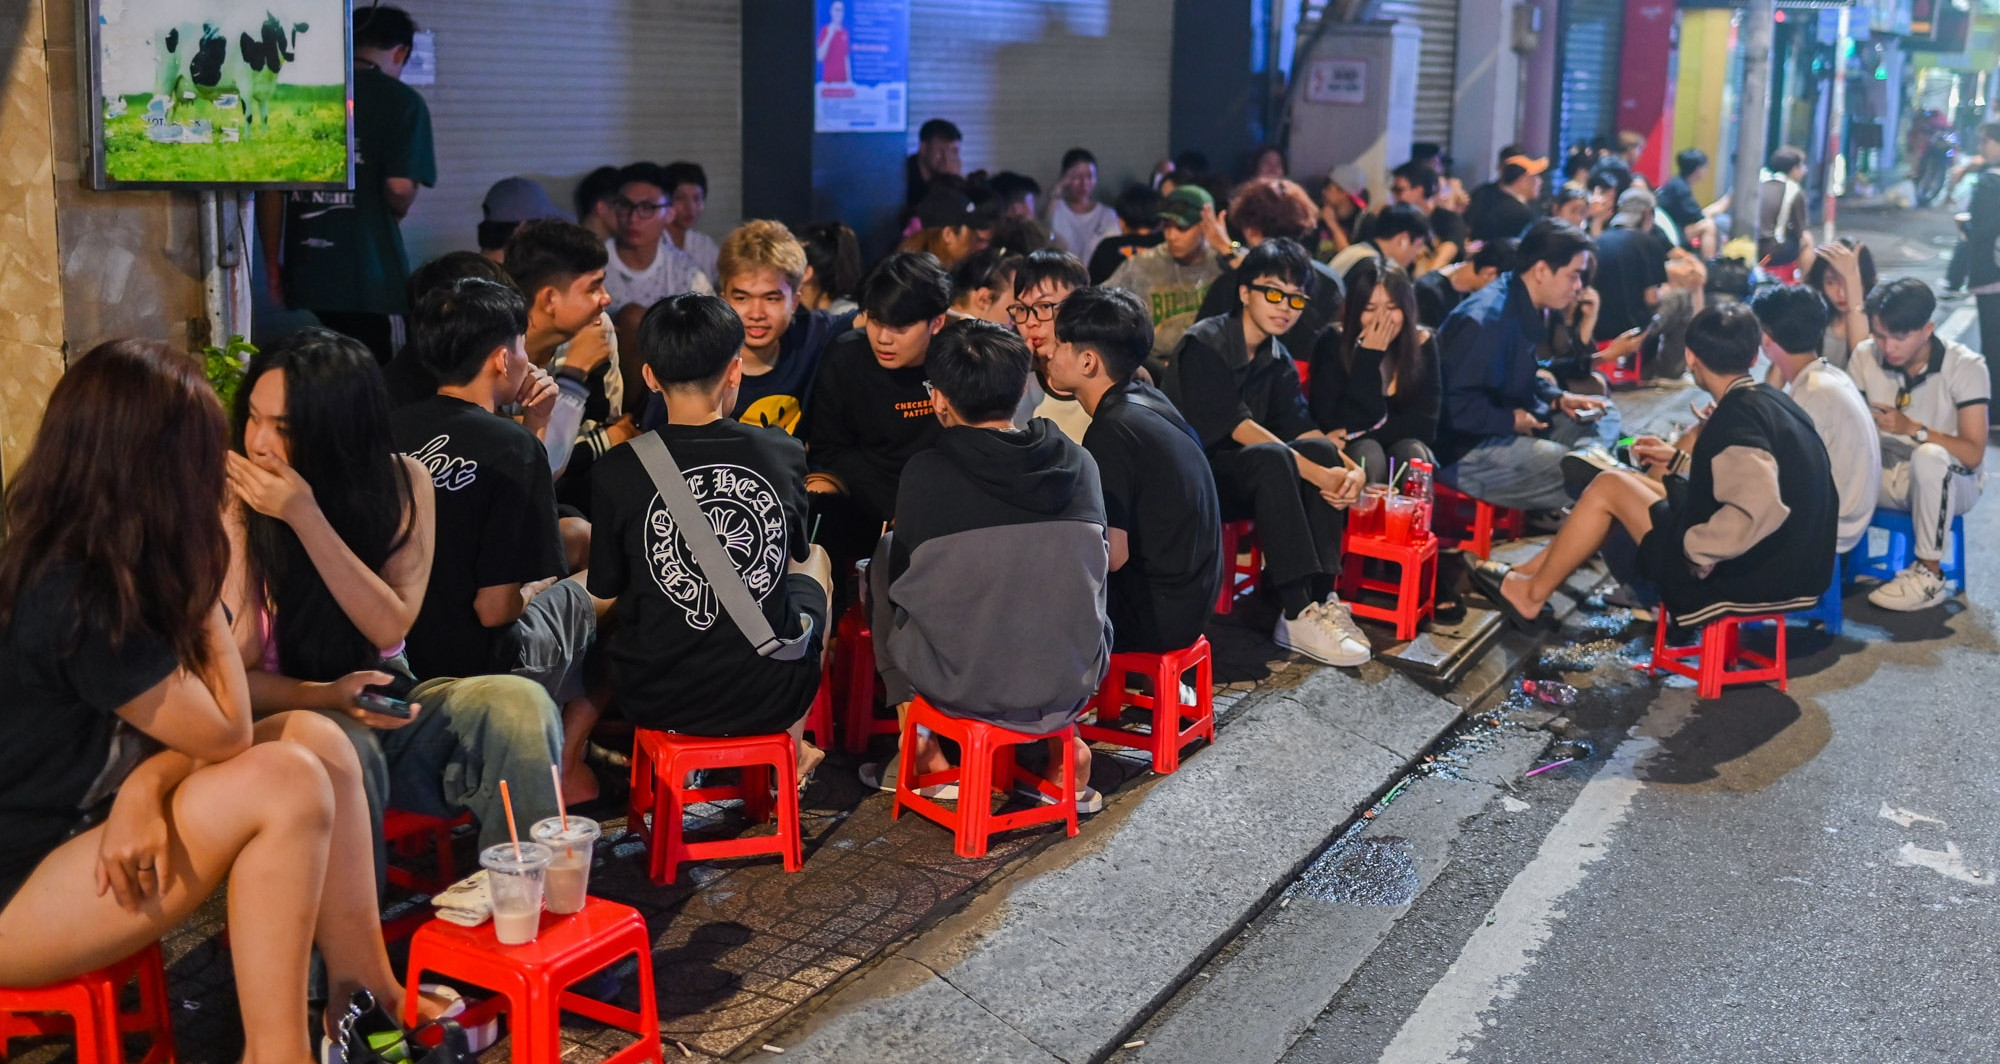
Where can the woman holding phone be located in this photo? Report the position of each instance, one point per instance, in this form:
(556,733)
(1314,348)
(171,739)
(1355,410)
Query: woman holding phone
(127,744)
(332,536)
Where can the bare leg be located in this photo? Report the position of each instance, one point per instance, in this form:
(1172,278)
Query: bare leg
(1616,496)
(1054,772)
(579,716)
(272,849)
(576,542)
(349,930)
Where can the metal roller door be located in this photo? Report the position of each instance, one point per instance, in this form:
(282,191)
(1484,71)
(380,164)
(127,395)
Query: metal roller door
(552,90)
(1026,80)
(1437,63)
(1593,32)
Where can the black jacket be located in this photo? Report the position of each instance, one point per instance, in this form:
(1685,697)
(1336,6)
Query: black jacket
(1349,396)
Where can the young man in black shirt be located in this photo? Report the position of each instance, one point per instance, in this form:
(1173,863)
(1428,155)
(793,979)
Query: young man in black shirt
(497,601)
(678,661)
(1138,210)
(759,270)
(1440,291)
(870,410)
(1239,389)
(1161,516)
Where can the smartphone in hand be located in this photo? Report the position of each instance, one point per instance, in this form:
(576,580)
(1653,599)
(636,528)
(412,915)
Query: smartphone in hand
(375,701)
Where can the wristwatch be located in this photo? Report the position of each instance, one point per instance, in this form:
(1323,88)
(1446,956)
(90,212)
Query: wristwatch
(1923,434)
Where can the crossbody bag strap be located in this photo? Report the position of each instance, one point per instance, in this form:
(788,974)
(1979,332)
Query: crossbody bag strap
(711,556)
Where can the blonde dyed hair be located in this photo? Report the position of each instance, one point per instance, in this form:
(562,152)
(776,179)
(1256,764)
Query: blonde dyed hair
(758,245)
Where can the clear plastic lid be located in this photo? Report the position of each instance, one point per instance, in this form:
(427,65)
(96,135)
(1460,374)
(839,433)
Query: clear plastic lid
(501,857)
(581,829)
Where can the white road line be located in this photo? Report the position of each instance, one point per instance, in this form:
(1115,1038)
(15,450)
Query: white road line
(1958,323)
(1490,967)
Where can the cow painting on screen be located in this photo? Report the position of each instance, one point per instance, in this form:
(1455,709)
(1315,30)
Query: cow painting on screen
(204,61)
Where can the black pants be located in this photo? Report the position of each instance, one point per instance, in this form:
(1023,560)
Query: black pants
(1370,453)
(1989,336)
(378,331)
(1298,530)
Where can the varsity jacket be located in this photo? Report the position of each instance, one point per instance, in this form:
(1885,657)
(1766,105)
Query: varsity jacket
(991,601)
(1754,531)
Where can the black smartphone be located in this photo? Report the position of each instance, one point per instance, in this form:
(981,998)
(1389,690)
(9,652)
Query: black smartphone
(376,702)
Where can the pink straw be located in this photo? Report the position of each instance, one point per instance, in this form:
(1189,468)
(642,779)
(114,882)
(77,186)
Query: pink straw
(512,832)
(556,771)
(1550,765)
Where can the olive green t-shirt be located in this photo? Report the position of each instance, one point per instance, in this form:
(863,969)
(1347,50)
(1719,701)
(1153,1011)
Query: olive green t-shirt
(344,250)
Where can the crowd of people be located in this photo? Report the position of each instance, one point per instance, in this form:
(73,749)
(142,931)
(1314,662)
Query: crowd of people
(1014,440)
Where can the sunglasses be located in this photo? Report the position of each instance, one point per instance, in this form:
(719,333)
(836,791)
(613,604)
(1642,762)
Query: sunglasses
(646,211)
(1274,296)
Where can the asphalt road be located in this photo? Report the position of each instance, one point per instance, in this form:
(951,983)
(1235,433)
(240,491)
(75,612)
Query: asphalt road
(1804,876)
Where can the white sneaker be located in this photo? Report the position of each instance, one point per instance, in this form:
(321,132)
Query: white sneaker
(1915,588)
(1343,621)
(1323,635)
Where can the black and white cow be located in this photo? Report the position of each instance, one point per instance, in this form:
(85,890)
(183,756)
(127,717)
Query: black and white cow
(202,61)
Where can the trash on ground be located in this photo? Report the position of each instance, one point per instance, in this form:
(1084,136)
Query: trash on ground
(1549,692)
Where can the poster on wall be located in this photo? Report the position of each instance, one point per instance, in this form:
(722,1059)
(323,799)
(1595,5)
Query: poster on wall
(861,59)
(241,93)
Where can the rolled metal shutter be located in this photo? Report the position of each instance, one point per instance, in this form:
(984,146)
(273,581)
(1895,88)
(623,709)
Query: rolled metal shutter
(1437,63)
(1593,32)
(553,90)
(1026,80)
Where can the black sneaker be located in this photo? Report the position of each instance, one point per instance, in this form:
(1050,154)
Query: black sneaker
(1582,465)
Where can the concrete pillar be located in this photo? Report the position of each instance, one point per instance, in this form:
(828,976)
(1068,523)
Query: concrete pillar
(1538,87)
(31,298)
(1487,103)
(1216,102)
(1358,101)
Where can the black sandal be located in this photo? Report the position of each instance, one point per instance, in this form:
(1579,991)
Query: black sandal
(1487,577)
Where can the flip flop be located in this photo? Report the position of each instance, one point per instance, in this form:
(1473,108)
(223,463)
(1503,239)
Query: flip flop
(1486,577)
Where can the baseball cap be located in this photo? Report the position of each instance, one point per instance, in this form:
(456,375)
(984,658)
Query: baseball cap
(1634,205)
(517,199)
(1527,163)
(1183,206)
(944,207)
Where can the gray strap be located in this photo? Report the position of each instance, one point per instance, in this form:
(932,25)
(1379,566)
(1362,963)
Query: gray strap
(711,556)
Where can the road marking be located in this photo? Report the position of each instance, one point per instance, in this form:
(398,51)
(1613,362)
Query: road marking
(1948,862)
(1958,323)
(1903,818)
(1490,967)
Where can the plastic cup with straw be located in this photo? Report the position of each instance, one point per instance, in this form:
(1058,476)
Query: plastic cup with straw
(515,875)
(573,841)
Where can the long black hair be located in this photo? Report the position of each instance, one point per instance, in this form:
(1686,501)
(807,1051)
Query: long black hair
(337,425)
(1406,348)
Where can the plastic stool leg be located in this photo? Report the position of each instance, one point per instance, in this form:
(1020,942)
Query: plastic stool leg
(1166,715)
(975,792)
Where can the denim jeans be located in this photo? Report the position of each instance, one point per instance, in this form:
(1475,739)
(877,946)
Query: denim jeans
(1525,472)
(469,735)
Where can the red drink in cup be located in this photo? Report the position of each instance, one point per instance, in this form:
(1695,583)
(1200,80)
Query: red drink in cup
(1399,512)
(1365,517)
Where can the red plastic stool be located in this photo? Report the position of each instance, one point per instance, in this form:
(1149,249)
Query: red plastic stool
(86,1008)
(1463,521)
(1239,577)
(986,764)
(855,684)
(1718,655)
(1414,589)
(1175,724)
(661,762)
(413,835)
(1620,372)
(532,981)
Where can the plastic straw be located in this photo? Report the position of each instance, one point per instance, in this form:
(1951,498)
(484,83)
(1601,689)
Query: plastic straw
(1550,765)
(555,771)
(512,832)
(1392,473)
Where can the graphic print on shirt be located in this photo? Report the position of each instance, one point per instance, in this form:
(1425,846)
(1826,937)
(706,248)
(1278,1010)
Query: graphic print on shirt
(448,473)
(743,510)
(774,411)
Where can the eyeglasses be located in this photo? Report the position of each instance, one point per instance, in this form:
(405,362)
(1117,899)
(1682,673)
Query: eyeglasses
(644,212)
(1295,300)
(1043,311)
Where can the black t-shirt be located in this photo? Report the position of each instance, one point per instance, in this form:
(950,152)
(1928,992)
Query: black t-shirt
(496,524)
(779,397)
(1502,217)
(65,683)
(1112,252)
(1158,489)
(1628,263)
(678,661)
(1447,227)
(1436,298)
(1677,199)
(865,421)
